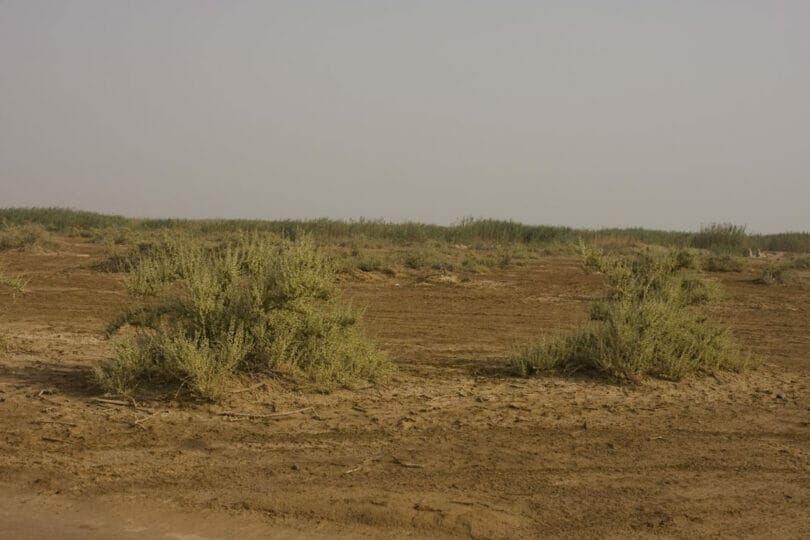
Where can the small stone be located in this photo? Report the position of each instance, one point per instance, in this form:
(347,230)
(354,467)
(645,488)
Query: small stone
(294,466)
(780,395)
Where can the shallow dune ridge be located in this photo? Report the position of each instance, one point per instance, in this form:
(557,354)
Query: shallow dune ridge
(451,446)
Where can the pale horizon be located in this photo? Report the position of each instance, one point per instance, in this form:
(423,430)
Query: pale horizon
(659,115)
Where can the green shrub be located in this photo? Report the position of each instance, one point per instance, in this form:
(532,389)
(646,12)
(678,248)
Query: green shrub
(250,306)
(646,326)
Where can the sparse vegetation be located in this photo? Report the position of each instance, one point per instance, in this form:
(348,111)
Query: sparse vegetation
(18,286)
(468,231)
(251,306)
(16,283)
(646,326)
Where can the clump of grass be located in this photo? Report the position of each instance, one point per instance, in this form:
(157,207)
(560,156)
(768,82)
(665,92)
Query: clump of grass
(776,274)
(251,306)
(646,326)
(366,261)
(722,263)
(429,256)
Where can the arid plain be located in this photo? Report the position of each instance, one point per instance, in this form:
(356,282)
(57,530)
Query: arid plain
(453,445)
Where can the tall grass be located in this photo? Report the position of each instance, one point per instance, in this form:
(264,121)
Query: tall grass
(251,306)
(721,237)
(647,325)
(60,219)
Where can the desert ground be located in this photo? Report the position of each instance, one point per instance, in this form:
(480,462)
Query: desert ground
(452,445)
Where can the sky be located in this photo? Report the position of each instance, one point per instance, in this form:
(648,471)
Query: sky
(589,113)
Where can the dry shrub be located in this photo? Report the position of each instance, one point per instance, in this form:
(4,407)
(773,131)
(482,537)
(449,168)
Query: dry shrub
(647,325)
(250,306)
(27,236)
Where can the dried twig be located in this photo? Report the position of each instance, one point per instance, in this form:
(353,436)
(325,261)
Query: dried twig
(362,464)
(249,388)
(119,403)
(143,420)
(68,424)
(273,415)
(406,464)
(111,401)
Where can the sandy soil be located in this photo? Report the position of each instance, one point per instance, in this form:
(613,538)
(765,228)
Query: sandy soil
(452,446)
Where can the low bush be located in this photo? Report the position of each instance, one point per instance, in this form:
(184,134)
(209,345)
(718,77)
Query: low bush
(252,305)
(722,263)
(646,326)
(29,236)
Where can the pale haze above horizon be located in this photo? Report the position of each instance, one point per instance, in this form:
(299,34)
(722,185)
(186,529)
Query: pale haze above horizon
(658,114)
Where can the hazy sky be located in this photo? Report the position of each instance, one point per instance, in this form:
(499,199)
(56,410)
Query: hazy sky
(593,113)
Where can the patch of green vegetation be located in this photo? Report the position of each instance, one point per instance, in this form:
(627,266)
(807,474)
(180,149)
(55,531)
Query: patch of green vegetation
(717,237)
(646,326)
(791,242)
(253,305)
(721,238)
